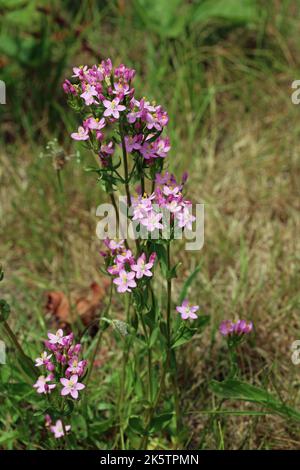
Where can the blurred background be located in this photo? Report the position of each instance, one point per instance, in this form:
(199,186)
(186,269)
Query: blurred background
(223,70)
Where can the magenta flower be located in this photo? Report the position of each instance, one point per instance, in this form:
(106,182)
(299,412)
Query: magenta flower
(239,327)
(142,206)
(94,124)
(71,386)
(152,221)
(185,218)
(113,107)
(79,71)
(76,367)
(187,310)
(57,338)
(82,134)
(58,429)
(133,142)
(107,149)
(43,360)
(114,246)
(121,89)
(42,384)
(88,95)
(142,268)
(125,257)
(125,281)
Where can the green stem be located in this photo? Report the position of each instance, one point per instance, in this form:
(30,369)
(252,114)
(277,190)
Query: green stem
(113,201)
(171,353)
(100,333)
(126,174)
(125,165)
(122,379)
(149,355)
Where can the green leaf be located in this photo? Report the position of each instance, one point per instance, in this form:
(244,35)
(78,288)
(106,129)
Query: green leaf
(160,422)
(185,334)
(237,390)
(164,17)
(184,337)
(4,310)
(234,11)
(162,257)
(102,426)
(188,283)
(136,425)
(154,335)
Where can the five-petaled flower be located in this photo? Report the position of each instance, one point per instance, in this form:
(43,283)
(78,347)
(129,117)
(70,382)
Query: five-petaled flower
(142,268)
(57,338)
(71,386)
(125,281)
(81,134)
(113,107)
(187,310)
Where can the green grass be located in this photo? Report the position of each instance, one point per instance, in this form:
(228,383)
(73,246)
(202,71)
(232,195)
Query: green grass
(234,128)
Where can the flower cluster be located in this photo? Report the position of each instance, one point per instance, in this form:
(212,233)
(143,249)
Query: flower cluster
(165,206)
(237,328)
(187,310)
(62,365)
(105,96)
(127,270)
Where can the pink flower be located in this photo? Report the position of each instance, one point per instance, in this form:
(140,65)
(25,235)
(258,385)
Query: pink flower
(142,206)
(162,146)
(58,429)
(76,366)
(125,281)
(187,311)
(133,142)
(142,268)
(169,191)
(43,359)
(42,385)
(68,87)
(121,89)
(79,71)
(107,149)
(57,338)
(115,269)
(88,95)
(94,124)
(185,218)
(240,327)
(113,107)
(125,257)
(114,246)
(152,221)
(82,134)
(71,386)
(173,206)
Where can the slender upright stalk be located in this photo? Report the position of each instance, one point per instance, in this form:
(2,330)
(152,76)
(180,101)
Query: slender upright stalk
(124,152)
(171,355)
(122,379)
(100,333)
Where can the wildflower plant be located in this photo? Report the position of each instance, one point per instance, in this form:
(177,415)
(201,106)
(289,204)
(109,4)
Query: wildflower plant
(127,137)
(62,371)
